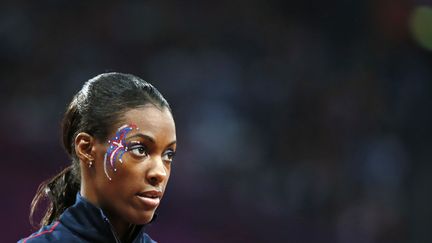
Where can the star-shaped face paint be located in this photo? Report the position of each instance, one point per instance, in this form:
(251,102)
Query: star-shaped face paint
(117,147)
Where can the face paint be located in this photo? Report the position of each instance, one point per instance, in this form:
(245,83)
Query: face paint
(117,147)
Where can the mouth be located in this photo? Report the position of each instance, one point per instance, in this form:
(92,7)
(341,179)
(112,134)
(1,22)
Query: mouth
(151,198)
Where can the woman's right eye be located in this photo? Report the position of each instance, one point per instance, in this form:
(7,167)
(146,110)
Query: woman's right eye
(138,150)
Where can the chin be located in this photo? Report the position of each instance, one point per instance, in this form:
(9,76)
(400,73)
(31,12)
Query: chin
(142,217)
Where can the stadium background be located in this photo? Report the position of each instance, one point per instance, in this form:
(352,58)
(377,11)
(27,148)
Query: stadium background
(298,121)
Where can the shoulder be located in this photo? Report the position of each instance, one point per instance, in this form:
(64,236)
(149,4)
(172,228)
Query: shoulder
(54,232)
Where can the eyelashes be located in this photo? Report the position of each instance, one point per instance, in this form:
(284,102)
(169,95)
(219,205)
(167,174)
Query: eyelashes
(168,156)
(140,150)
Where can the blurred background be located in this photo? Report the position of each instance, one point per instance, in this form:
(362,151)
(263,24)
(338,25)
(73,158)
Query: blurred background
(298,121)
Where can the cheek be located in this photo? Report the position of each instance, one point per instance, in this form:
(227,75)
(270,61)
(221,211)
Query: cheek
(168,172)
(131,175)
(124,181)
(128,175)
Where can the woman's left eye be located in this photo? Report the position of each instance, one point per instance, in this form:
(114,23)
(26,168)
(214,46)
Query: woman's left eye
(168,156)
(138,150)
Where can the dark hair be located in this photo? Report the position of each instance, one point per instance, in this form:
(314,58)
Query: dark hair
(95,109)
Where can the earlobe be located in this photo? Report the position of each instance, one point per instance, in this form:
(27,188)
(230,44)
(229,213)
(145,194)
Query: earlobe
(84,143)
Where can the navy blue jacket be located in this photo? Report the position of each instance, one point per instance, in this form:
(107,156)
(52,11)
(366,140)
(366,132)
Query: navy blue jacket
(82,222)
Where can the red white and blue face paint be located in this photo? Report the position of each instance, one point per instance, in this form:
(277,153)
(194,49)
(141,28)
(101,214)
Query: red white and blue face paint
(117,147)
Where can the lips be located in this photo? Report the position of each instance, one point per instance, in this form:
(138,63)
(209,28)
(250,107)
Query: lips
(150,198)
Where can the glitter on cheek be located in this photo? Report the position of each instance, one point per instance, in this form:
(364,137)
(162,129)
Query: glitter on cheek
(117,148)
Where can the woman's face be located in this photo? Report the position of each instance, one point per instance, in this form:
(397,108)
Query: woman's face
(133,166)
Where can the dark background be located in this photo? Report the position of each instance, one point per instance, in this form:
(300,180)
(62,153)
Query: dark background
(298,121)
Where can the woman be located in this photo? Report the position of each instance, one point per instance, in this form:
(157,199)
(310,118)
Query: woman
(120,135)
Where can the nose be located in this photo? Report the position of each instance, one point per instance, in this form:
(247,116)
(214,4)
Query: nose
(157,172)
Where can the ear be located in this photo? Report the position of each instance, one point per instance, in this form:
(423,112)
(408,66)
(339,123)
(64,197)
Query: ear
(84,143)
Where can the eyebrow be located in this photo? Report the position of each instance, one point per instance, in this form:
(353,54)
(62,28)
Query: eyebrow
(149,138)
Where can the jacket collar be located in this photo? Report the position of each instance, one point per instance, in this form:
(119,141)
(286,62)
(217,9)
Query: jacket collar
(90,223)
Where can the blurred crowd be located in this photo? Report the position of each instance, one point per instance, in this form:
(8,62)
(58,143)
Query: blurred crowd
(297,121)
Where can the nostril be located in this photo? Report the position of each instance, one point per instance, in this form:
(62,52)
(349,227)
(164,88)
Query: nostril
(154,180)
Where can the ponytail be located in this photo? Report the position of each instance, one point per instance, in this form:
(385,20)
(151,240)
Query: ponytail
(60,191)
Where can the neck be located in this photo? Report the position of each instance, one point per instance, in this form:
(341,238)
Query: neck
(122,229)
(86,191)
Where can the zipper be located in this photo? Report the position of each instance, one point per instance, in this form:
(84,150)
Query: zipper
(112,230)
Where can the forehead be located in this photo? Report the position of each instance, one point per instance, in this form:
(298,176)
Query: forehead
(150,120)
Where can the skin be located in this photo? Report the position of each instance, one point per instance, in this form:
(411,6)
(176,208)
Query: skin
(146,167)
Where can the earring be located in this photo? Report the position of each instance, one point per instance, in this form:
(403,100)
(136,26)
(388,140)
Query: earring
(90,164)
